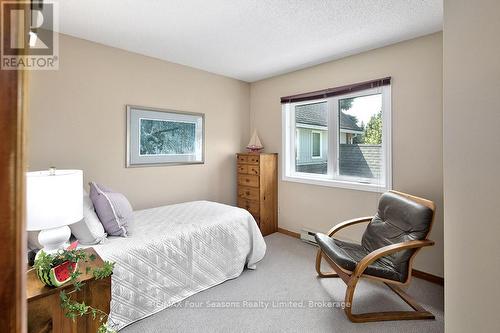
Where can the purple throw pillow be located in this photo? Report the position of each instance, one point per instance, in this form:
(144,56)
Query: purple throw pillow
(112,208)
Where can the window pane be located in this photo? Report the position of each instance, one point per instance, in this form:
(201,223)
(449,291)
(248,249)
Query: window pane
(311,128)
(316,142)
(360,137)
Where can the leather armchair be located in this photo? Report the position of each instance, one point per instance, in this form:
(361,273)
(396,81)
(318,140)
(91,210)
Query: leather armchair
(390,242)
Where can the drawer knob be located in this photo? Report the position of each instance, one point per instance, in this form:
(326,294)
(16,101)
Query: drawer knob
(247,192)
(247,180)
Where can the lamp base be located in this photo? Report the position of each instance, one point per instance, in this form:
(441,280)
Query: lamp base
(54,239)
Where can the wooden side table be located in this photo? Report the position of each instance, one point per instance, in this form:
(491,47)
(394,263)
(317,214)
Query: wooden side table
(44,306)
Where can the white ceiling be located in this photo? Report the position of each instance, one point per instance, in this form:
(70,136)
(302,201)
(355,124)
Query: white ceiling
(249,39)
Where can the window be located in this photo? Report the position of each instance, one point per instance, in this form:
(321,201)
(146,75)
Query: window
(343,140)
(311,127)
(316,144)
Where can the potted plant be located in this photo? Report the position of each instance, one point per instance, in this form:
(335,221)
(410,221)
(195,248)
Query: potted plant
(56,269)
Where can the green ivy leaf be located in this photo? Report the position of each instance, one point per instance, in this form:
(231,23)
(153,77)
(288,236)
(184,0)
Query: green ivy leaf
(104,271)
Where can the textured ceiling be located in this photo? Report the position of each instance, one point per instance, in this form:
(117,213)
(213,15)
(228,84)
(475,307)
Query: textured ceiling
(249,39)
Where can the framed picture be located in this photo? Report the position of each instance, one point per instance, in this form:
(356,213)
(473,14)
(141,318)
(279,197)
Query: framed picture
(164,137)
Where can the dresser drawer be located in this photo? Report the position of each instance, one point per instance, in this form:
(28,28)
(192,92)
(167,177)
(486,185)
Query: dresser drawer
(242,158)
(248,180)
(250,193)
(253,159)
(251,206)
(253,170)
(242,168)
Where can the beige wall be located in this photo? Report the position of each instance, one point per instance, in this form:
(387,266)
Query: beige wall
(77,120)
(471,165)
(416,70)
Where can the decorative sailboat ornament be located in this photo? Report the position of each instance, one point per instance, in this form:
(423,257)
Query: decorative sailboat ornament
(255,145)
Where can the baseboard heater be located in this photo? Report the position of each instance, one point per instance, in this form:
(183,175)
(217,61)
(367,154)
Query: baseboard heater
(307,235)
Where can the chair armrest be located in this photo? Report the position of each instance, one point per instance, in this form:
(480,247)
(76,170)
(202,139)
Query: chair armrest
(386,250)
(348,223)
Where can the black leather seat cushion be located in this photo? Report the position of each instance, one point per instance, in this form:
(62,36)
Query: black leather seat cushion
(347,255)
(398,220)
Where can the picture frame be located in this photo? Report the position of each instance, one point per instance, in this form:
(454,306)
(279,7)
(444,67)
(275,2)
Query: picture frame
(162,137)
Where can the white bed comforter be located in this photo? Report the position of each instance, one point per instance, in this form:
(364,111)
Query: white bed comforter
(173,252)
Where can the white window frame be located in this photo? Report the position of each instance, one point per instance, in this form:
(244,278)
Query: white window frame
(297,145)
(320,145)
(332,178)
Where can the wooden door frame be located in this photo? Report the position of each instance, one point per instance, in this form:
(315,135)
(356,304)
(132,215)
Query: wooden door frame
(13,107)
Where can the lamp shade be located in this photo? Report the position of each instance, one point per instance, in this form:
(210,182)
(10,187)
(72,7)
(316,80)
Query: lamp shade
(53,199)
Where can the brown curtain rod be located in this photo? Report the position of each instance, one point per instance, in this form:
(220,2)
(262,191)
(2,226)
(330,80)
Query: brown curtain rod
(336,91)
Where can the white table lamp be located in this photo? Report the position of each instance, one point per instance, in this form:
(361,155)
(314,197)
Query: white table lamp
(54,200)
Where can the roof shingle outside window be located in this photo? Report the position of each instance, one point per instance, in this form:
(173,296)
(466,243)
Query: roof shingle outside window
(316,114)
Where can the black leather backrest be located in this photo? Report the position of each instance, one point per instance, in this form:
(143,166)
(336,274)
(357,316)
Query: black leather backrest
(398,219)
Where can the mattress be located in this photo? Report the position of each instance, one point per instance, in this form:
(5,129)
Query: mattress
(175,251)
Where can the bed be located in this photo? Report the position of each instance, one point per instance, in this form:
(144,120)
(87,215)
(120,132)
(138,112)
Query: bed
(175,251)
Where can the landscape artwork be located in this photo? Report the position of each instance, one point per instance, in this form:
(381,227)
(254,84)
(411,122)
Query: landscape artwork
(163,137)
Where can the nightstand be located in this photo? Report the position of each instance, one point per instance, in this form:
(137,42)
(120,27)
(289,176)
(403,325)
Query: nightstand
(44,310)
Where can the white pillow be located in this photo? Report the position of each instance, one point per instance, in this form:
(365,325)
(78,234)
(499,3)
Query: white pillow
(89,230)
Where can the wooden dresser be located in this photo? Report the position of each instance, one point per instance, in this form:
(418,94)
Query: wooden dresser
(258,188)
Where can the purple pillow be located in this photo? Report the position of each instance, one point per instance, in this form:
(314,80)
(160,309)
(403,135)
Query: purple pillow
(112,208)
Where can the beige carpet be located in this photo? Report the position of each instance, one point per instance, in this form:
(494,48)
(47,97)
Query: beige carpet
(285,282)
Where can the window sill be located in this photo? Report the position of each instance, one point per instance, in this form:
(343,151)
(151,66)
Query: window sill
(337,183)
